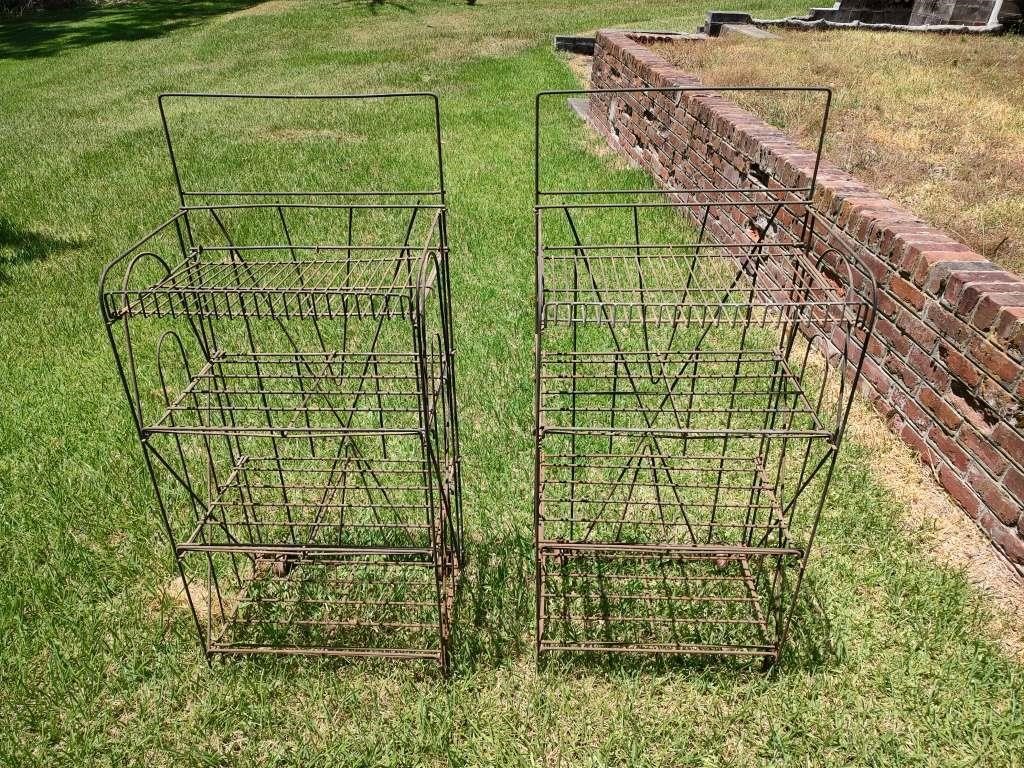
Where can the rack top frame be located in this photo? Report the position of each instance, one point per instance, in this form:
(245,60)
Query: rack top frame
(543,193)
(433,189)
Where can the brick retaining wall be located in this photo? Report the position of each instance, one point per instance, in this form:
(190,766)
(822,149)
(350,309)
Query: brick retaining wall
(945,364)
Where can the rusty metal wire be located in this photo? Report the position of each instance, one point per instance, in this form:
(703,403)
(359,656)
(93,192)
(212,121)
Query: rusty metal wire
(691,397)
(289,367)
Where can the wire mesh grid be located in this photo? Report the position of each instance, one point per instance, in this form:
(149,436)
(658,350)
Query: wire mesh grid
(288,359)
(691,397)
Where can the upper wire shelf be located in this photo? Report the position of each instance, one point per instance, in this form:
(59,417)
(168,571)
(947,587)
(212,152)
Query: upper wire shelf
(275,277)
(688,283)
(302,281)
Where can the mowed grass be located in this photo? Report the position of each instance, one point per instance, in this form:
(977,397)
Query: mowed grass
(935,122)
(99,664)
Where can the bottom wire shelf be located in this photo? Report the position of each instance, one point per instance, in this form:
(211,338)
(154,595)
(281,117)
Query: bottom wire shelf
(656,603)
(362,604)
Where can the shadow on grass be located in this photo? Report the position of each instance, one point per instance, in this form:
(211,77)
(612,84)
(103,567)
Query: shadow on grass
(494,621)
(18,246)
(377,5)
(45,33)
(494,614)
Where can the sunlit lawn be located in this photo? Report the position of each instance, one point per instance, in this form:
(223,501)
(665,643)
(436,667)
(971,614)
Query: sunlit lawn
(96,669)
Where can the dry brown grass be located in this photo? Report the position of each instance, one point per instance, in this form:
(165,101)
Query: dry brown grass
(934,122)
(949,536)
(580,66)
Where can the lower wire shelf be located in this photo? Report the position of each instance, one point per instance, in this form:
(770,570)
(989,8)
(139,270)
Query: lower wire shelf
(322,555)
(603,599)
(359,603)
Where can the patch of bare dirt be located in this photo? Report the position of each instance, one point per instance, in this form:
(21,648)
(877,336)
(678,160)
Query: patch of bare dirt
(308,134)
(262,9)
(172,597)
(580,66)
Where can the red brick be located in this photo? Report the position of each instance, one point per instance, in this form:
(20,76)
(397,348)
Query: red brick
(1006,539)
(982,449)
(995,362)
(939,408)
(907,292)
(879,269)
(898,342)
(1011,442)
(876,377)
(914,413)
(973,293)
(948,325)
(948,447)
(891,233)
(912,437)
(972,273)
(886,304)
(1013,481)
(917,330)
(1010,327)
(876,348)
(878,401)
(956,488)
(1005,508)
(901,371)
(991,305)
(932,255)
(959,366)
(930,369)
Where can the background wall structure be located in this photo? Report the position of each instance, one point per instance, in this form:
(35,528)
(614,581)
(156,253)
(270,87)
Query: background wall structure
(919,12)
(946,363)
(871,11)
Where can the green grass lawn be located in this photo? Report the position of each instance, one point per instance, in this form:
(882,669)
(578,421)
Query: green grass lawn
(893,667)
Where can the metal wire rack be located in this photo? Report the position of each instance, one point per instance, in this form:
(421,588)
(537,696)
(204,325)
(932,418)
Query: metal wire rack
(288,359)
(691,398)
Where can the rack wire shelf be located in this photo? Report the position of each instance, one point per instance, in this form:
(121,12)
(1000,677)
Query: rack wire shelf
(273,281)
(327,394)
(691,395)
(655,603)
(363,604)
(288,359)
(330,503)
(697,503)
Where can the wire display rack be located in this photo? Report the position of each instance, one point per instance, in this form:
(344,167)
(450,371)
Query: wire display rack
(691,397)
(288,359)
